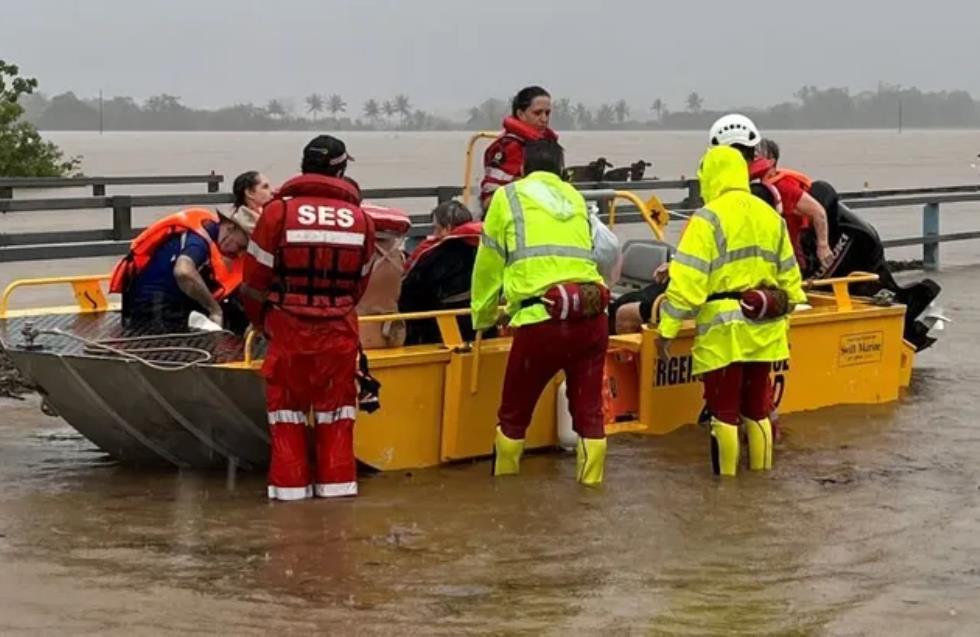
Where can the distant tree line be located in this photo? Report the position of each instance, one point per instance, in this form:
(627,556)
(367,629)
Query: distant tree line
(812,108)
(166,112)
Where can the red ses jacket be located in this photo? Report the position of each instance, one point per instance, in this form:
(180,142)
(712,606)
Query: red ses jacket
(310,254)
(503,160)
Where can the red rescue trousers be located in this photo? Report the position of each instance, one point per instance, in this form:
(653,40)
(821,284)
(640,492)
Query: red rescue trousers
(539,352)
(310,373)
(741,389)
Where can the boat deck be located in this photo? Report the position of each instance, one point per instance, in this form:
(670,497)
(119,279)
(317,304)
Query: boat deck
(107,328)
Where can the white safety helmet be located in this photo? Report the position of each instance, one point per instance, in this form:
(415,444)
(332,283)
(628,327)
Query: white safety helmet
(734,129)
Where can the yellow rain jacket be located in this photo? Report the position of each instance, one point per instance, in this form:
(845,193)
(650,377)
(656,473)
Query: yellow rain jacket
(735,243)
(536,234)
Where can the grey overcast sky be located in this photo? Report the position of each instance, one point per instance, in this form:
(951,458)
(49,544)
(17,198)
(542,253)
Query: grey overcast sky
(450,54)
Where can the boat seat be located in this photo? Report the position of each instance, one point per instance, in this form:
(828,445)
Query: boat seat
(640,259)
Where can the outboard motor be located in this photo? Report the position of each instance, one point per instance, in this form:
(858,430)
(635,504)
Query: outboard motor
(857,248)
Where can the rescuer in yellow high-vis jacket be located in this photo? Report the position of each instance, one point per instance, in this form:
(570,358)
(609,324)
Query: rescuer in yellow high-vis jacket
(537,250)
(735,274)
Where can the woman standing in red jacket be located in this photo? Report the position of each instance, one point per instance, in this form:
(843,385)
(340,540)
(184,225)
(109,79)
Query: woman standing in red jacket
(504,160)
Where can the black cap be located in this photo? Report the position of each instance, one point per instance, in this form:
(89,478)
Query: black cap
(326,148)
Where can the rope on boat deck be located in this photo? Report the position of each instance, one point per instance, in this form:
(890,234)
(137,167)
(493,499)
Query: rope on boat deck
(204,356)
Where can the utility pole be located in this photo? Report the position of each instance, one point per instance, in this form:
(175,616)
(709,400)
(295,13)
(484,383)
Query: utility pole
(900,116)
(101,118)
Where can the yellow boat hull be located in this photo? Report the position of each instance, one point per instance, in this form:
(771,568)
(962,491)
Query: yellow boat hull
(431,415)
(439,402)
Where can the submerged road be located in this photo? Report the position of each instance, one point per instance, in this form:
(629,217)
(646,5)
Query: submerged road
(869,524)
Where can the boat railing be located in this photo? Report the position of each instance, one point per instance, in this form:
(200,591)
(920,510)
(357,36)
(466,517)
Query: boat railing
(839,286)
(89,296)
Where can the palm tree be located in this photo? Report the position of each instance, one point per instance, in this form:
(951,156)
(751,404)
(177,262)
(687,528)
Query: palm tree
(314,105)
(622,111)
(275,109)
(402,106)
(658,107)
(372,110)
(388,108)
(694,102)
(605,116)
(336,104)
(419,120)
(583,116)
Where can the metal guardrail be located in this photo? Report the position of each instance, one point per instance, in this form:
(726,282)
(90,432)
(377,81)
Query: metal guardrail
(929,198)
(33,246)
(30,246)
(98,184)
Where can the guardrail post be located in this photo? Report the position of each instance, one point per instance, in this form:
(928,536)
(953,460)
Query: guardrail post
(604,205)
(6,192)
(445,193)
(213,183)
(98,190)
(122,217)
(693,194)
(930,228)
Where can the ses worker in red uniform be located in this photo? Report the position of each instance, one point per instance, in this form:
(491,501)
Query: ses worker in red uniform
(503,161)
(306,267)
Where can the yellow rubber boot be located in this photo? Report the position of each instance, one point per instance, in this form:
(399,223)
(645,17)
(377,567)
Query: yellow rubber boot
(590,460)
(760,443)
(507,455)
(724,448)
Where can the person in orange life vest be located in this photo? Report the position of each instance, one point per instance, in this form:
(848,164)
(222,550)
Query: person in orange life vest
(503,161)
(189,261)
(800,210)
(439,271)
(306,268)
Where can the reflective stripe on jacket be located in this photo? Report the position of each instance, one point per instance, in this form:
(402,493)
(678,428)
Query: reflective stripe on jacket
(536,234)
(735,243)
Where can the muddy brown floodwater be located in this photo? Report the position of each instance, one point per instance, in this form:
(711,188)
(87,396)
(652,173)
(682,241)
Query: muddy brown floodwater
(869,524)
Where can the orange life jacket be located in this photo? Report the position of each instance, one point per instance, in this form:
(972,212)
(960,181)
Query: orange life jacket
(796,222)
(227,276)
(783,173)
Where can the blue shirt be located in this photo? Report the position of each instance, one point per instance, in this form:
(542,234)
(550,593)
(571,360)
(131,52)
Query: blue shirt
(156,283)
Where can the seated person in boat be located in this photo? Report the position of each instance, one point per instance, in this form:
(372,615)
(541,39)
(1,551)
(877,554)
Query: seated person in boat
(188,261)
(631,310)
(439,271)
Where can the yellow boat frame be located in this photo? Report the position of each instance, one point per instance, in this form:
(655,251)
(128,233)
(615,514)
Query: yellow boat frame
(439,401)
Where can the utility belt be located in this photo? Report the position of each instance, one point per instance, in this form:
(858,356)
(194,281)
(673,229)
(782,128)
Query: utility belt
(721,296)
(757,303)
(571,301)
